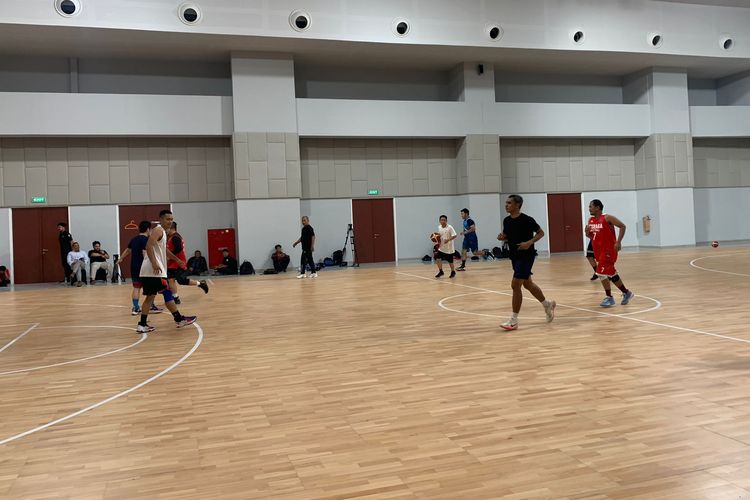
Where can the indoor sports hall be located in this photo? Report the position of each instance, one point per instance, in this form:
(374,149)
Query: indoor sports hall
(574,328)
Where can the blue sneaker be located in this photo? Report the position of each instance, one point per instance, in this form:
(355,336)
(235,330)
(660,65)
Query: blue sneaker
(626,297)
(608,302)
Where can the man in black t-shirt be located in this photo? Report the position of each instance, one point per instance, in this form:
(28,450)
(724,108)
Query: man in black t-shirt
(66,241)
(228,264)
(521,232)
(98,259)
(307,238)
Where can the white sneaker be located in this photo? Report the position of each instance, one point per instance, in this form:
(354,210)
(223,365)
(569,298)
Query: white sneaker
(314,275)
(511,324)
(300,276)
(549,310)
(144,329)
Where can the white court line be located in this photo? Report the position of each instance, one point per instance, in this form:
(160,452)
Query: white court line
(442,305)
(24,370)
(629,318)
(171,367)
(693,263)
(19,337)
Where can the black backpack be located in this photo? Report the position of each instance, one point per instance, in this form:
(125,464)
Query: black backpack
(246,268)
(338,257)
(501,253)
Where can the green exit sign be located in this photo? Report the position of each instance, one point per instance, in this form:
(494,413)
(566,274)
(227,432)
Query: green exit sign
(39,199)
(373,191)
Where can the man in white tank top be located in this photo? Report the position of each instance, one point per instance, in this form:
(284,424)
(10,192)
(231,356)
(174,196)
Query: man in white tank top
(154,275)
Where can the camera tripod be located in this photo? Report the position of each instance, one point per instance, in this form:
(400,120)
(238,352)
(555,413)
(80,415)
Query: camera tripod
(350,240)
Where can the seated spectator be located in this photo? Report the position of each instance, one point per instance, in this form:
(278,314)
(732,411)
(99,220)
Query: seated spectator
(78,262)
(228,264)
(4,276)
(280,259)
(197,264)
(98,259)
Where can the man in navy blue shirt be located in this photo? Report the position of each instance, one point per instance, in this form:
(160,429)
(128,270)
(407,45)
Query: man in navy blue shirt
(137,247)
(471,242)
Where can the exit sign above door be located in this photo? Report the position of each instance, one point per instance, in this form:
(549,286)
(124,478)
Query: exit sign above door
(373,191)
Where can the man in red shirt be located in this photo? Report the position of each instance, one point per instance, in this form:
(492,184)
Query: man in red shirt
(601,230)
(176,267)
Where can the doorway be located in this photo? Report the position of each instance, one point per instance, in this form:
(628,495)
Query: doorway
(36,245)
(374,239)
(565,222)
(130,217)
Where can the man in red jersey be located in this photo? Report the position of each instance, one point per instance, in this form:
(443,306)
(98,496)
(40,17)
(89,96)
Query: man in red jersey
(601,230)
(176,267)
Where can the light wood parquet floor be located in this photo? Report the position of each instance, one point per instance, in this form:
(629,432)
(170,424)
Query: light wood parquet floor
(359,384)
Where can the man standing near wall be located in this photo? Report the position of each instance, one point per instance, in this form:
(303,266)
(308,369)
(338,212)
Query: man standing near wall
(307,238)
(521,232)
(600,229)
(65,239)
(471,241)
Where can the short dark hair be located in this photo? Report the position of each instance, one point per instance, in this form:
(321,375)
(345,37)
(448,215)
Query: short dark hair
(197,251)
(446,217)
(517,198)
(465,210)
(225,250)
(277,246)
(164,212)
(174,225)
(63,224)
(598,204)
(96,243)
(144,226)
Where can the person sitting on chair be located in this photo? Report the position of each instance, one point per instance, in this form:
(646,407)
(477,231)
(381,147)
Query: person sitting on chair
(98,259)
(4,276)
(228,264)
(78,262)
(280,259)
(197,264)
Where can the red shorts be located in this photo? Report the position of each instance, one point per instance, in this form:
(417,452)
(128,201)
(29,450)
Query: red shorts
(605,263)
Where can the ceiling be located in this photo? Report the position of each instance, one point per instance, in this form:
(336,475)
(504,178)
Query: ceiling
(24,40)
(718,3)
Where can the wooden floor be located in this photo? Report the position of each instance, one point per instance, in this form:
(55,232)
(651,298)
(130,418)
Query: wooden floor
(386,383)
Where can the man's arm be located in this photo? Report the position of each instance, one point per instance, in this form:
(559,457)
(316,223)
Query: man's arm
(125,253)
(618,224)
(472,229)
(538,235)
(312,244)
(70,258)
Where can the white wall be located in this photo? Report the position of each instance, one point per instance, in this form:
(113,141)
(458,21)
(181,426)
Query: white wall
(114,114)
(701,92)
(621,204)
(534,205)
(678,219)
(330,219)
(261,224)
(721,214)
(648,204)
(195,219)
(487,213)
(96,222)
(720,121)
(593,89)
(734,90)
(417,218)
(5,237)
(263,93)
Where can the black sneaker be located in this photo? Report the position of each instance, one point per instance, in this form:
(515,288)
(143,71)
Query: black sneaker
(203,286)
(177,300)
(461,268)
(439,274)
(453,274)
(594,277)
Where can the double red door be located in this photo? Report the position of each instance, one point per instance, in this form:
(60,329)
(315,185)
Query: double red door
(374,239)
(36,244)
(565,222)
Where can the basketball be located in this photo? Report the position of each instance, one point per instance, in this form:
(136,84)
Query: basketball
(435,237)
(714,244)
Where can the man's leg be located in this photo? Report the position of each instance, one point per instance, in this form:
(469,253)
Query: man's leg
(549,305)
(464,253)
(439,263)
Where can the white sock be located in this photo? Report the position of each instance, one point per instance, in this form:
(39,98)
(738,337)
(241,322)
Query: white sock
(546,303)
(514,316)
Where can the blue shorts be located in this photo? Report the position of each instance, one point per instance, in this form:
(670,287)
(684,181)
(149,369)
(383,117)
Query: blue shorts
(522,266)
(471,244)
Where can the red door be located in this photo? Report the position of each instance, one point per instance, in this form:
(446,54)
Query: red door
(130,217)
(565,222)
(218,240)
(36,247)
(373,230)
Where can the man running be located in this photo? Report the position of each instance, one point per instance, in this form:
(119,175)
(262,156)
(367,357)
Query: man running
(521,232)
(176,266)
(154,275)
(136,248)
(600,229)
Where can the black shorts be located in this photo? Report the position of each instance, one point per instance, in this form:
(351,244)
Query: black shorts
(445,257)
(590,249)
(522,266)
(152,286)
